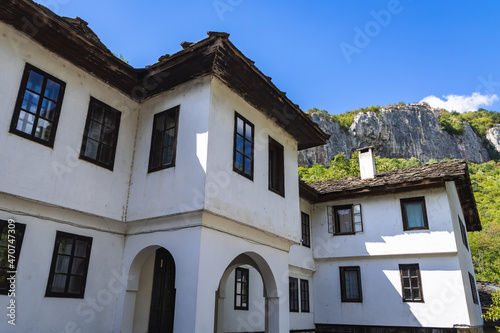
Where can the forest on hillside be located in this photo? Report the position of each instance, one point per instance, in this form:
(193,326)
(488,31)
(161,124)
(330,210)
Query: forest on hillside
(485,179)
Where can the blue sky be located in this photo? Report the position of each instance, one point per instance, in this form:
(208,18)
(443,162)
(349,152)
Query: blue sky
(336,55)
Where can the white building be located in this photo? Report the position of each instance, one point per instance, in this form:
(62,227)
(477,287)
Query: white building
(166,199)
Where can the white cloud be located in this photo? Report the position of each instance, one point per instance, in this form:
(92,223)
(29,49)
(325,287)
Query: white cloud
(460,103)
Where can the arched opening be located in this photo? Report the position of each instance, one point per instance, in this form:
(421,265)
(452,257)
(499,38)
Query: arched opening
(150,296)
(247,286)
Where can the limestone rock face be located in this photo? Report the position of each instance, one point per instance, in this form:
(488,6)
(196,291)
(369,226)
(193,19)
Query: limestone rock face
(493,136)
(398,132)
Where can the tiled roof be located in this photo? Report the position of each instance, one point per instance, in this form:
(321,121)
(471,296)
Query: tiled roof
(445,170)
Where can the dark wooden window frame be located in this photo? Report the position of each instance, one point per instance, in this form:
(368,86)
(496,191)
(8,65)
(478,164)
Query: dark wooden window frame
(244,284)
(304,296)
(276,161)
(420,200)
(293,294)
(11,254)
(473,288)
(154,145)
(463,232)
(334,222)
(411,286)
(306,229)
(343,292)
(107,111)
(19,102)
(60,237)
(245,142)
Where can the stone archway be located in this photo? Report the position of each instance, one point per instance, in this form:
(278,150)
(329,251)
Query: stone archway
(270,291)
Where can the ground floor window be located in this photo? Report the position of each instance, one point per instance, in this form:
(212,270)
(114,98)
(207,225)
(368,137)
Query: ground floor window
(70,261)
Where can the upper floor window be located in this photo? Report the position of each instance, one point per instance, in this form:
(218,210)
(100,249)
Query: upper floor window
(243,146)
(410,283)
(306,230)
(293,294)
(11,239)
(101,134)
(463,232)
(38,105)
(473,288)
(345,220)
(164,139)
(276,167)
(70,261)
(241,283)
(350,284)
(414,213)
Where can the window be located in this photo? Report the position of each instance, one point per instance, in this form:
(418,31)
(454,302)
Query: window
(241,289)
(37,107)
(306,230)
(276,167)
(410,283)
(350,284)
(70,261)
(473,288)
(243,146)
(164,140)
(345,220)
(304,295)
(101,134)
(463,231)
(11,239)
(414,213)
(293,290)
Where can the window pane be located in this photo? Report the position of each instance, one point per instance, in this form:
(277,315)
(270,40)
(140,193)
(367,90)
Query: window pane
(248,148)
(248,166)
(59,283)
(75,284)
(65,246)
(78,266)
(239,143)
(239,126)
(35,81)
(171,120)
(105,154)
(110,120)
(25,122)
(30,102)
(414,214)
(97,112)
(52,90)
(345,220)
(62,264)
(168,155)
(248,132)
(48,109)
(43,128)
(169,137)
(239,162)
(94,130)
(91,149)
(81,248)
(108,136)
(407,294)
(160,123)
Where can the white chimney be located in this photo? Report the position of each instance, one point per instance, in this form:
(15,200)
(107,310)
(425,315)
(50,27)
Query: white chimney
(367,162)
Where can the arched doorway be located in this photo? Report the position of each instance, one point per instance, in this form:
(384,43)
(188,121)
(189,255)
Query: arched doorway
(150,296)
(270,306)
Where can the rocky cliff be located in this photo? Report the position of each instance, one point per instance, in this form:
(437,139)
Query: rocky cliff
(399,132)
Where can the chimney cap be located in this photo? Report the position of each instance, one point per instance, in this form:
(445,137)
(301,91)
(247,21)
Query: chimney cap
(365,149)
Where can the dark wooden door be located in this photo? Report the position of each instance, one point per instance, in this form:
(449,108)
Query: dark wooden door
(161,316)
